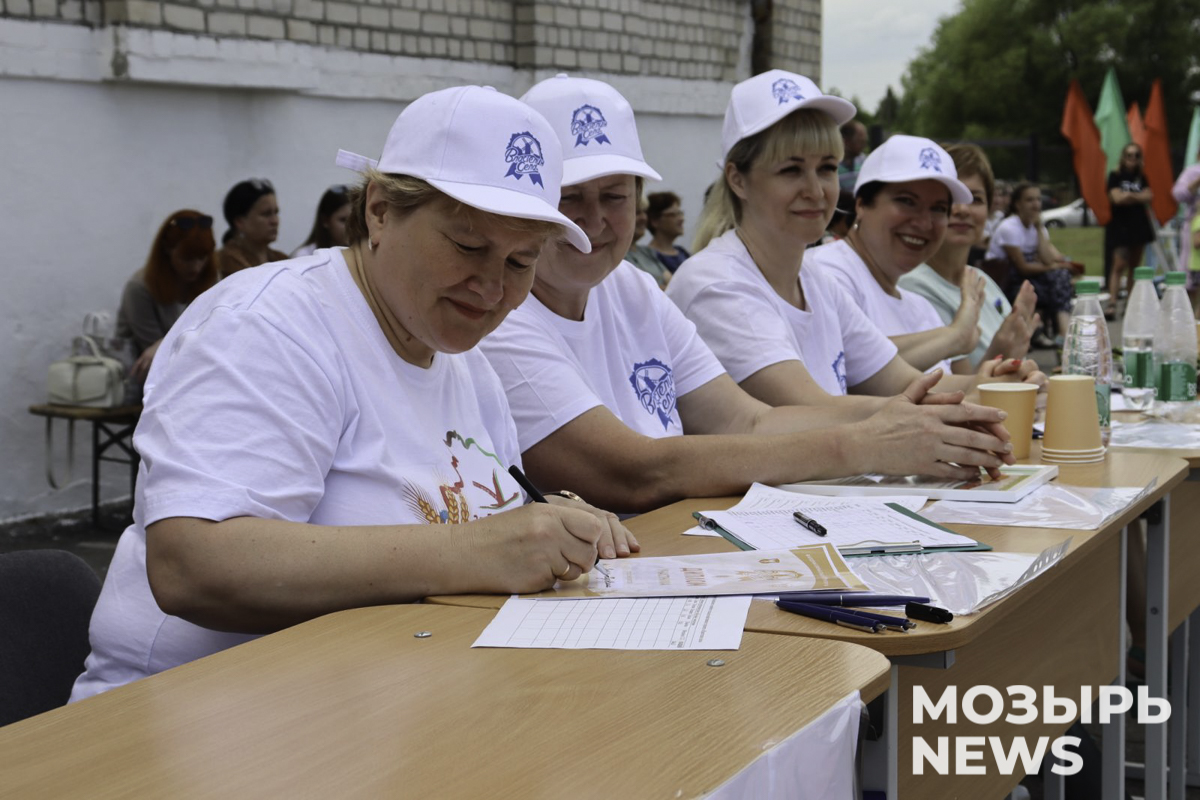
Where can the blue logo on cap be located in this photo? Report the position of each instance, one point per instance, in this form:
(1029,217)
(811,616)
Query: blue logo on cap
(655,387)
(525,154)
(930,159)
(786,89)
(587,123)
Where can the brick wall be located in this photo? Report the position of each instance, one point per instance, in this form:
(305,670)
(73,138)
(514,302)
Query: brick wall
(691,39)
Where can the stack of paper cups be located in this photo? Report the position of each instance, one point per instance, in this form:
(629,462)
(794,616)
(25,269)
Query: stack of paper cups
(1072,421)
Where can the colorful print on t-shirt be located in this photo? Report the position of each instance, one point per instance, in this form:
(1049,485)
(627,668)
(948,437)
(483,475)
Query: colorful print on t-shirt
(839,369)
(480,483)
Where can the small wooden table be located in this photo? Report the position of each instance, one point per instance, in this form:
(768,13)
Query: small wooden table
(111,428)
(353,705)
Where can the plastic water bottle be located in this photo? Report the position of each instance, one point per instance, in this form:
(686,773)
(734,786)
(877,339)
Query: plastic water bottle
(1175,350)
(1086,350)
(1137,340)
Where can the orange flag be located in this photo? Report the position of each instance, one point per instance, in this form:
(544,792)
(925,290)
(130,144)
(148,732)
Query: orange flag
(1137,129)
(1091,169)
(1156,160)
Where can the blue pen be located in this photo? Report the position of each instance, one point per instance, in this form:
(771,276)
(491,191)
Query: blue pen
(835,615)
(855,599)
(895,623)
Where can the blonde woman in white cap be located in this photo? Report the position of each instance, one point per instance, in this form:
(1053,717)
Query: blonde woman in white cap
(320,434)
(607,380)
(787,334)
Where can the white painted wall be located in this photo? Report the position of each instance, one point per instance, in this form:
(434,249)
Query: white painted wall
(91,167)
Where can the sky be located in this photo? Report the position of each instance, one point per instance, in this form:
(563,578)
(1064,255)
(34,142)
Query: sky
(866,44)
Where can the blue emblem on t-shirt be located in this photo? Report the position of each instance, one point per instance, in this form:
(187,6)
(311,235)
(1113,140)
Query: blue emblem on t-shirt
(786,89)
(587,123)
(655,387)
(525,154)
(839,369)
(930,159)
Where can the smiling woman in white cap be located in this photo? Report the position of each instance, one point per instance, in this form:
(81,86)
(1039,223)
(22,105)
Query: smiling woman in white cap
(787,334)
(320,434)
(607,379)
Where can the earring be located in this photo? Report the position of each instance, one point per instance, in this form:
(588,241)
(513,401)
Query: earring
(370,246)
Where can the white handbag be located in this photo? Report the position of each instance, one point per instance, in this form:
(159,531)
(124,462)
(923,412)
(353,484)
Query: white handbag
(89,379)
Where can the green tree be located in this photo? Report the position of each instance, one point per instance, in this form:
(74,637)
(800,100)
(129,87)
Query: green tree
(1000,68)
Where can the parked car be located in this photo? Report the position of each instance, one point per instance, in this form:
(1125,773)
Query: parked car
(1068,216)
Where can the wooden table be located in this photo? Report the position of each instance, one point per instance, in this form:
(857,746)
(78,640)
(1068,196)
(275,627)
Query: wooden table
(354,705)
(112,429)
(1017,640)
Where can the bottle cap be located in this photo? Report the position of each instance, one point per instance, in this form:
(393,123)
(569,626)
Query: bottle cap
(1176,279)
(1087,286)
(1143,273)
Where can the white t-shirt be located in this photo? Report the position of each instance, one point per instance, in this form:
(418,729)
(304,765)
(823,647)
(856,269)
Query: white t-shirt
(895,316)
(277,395)
(750,327)
(1013,233)
(632,353)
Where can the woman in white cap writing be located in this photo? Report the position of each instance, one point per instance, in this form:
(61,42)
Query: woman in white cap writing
(608,381)
(320,434)
(787,334)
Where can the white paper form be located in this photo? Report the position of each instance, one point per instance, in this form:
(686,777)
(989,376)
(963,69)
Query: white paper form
(659,623)
(766,498)
(763,520)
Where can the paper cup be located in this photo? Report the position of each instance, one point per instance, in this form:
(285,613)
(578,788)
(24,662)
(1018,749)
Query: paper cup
(1072,420)
(1018,401)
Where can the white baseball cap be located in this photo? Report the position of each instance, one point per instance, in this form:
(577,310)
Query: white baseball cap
(759,102)
(595,125)
(912,158)
(482,148)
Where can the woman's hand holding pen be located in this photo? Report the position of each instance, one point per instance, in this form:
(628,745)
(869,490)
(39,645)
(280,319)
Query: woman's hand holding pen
(616,541)
(529,548)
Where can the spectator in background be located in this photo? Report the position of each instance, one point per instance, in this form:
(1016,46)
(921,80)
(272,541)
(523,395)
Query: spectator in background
(1187,192)
(1129,230)
(664,220)
(1021,240)
(329,227)
(253,216)
(180,267)
(999,210)
(642,256)
(854,140)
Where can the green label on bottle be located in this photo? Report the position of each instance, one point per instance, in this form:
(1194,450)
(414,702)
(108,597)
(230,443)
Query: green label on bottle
(1139,369)
(1177,382)
(1102,404)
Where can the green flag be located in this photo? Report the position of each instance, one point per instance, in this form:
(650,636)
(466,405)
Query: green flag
(1193,142)
(1110,119)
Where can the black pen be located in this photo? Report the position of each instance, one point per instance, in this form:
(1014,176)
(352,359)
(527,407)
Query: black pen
(810,523)
(837,616)
(538,497)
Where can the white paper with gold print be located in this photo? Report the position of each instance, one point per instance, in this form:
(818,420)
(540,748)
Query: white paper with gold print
(810,568)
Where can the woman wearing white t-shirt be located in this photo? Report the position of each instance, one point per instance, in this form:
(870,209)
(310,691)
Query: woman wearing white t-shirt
(320,434)
(1023,242)
(608,381)
(787,334)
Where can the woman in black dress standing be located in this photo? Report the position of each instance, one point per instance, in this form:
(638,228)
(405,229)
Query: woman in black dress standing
(1129,230)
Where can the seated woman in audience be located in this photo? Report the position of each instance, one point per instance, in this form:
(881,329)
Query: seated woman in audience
(180,266)
(321,434)
(640,255)
(608,382)
(329,227)
(253,216)
(664,220)
(1004,329)
(1022,241)
(789,335)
